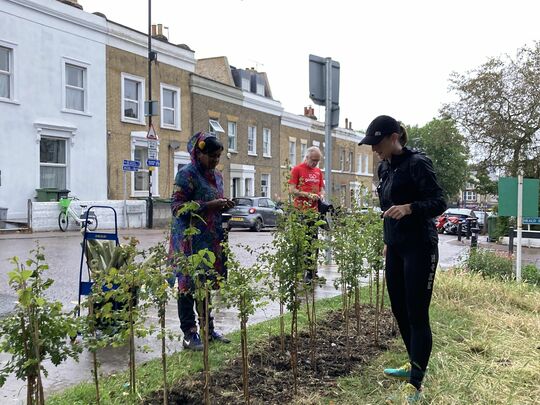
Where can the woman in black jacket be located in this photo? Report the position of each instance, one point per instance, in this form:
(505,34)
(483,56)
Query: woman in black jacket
(410,199)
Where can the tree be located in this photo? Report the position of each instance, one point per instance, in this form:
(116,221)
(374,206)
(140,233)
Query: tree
(499,108)
(447,148)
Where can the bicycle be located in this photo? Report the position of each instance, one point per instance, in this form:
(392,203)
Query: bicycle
(67,211)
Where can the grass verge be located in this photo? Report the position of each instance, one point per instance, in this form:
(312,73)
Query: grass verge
(486,347)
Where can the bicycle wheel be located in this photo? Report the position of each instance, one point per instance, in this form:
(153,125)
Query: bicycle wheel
(63,221)
(92,222)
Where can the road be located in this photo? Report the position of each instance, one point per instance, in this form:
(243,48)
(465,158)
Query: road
(63,254)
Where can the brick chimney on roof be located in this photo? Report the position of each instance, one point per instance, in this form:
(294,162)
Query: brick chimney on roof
(309,112)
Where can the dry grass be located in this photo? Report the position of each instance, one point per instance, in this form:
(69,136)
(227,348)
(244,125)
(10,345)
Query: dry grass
(486,347)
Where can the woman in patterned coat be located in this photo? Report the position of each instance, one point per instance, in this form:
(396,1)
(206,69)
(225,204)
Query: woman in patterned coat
(200,182)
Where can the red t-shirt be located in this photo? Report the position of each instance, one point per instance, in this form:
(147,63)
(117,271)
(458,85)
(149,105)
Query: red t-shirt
(309,180)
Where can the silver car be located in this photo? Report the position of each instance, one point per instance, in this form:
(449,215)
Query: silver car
(254,213)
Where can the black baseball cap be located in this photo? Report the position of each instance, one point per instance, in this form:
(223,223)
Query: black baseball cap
(380,127)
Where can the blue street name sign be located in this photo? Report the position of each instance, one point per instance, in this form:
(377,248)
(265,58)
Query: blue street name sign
(152,162)
(131,165)
(531,220)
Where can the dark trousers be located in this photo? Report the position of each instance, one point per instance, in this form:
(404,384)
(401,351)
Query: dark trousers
(187,314)
(410,273)
(313,255)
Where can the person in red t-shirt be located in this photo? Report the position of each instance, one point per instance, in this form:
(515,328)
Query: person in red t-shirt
(306,185)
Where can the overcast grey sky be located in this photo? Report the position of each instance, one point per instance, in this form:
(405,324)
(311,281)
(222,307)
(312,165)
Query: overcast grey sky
(395,55)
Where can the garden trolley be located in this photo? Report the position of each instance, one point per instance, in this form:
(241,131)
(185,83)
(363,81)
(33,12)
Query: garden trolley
(85,287)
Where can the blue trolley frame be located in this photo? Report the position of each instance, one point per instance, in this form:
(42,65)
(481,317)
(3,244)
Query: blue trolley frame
(85,287)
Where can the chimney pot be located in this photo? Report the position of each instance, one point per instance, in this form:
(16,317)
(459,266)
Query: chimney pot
(153,30)
(346,123)
(306,111)
(350,124)
(160,29)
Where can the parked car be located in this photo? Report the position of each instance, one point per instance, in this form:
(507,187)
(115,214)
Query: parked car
(455,216)
(254,213)
(482,218)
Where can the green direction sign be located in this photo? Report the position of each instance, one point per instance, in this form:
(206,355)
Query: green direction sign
(508,190)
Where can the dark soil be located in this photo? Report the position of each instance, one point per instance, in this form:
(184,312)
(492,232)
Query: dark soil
(271,377)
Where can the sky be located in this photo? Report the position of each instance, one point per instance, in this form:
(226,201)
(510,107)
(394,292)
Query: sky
(395,56)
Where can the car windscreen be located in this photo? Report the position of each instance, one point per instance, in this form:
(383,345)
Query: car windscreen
(246,202)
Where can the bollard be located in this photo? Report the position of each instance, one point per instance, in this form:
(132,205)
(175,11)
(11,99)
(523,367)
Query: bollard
(459,232)
(474,238)
(511,240)
(469,225)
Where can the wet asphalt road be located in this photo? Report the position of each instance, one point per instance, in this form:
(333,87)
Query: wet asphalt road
(63,254)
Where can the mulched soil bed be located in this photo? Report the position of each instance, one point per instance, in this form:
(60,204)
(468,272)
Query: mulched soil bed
(271,378)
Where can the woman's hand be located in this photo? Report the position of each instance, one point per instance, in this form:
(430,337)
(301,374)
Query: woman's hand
(397,211)
(220,204)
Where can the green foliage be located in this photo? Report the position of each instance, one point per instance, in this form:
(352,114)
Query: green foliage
(246,286)
(447,148)
(498,105)
(37,330)
(531,274)
(489,263)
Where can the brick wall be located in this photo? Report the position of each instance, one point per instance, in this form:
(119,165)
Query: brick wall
(119,133)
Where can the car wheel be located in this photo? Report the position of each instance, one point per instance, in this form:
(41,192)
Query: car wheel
(258,225)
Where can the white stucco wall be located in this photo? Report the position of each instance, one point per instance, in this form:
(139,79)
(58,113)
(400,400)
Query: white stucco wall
(43,34)
(45,215)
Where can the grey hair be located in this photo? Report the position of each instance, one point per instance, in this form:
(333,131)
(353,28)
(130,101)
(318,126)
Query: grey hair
(312,149)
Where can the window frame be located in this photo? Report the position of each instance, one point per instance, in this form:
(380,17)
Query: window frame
(214,127)
(342,159)
(177,110)
(268,177)
(472,194)
(303,148)
(64,165)
(138,139)
(235,137)
(12,76)
(351,161)
(84,67)
(141,119)
(291,153)
(267,132)
(252,152)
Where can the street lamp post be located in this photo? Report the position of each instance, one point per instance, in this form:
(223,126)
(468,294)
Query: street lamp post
(151,57)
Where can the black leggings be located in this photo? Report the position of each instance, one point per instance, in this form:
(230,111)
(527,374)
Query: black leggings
(410,273)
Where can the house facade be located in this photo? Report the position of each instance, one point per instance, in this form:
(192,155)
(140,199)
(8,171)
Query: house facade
(52,102)
(127,125)
(352,164)
(236,105)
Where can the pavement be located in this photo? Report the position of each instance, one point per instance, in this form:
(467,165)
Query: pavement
(63,254)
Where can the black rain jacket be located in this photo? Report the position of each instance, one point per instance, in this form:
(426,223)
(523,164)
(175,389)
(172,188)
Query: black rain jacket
(410,179)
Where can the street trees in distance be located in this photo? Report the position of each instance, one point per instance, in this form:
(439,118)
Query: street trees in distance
(447,148)
(498,108)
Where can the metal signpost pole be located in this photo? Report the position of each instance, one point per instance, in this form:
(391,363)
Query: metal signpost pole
(328,144)
(150,207)
(328,132)
(519,225)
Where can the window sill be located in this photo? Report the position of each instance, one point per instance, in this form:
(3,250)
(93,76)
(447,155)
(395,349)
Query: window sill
(9,101)
(170,127)
(232,151)
(132,121)
(144,194)
(76,112)
(267,156)
(252,154)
